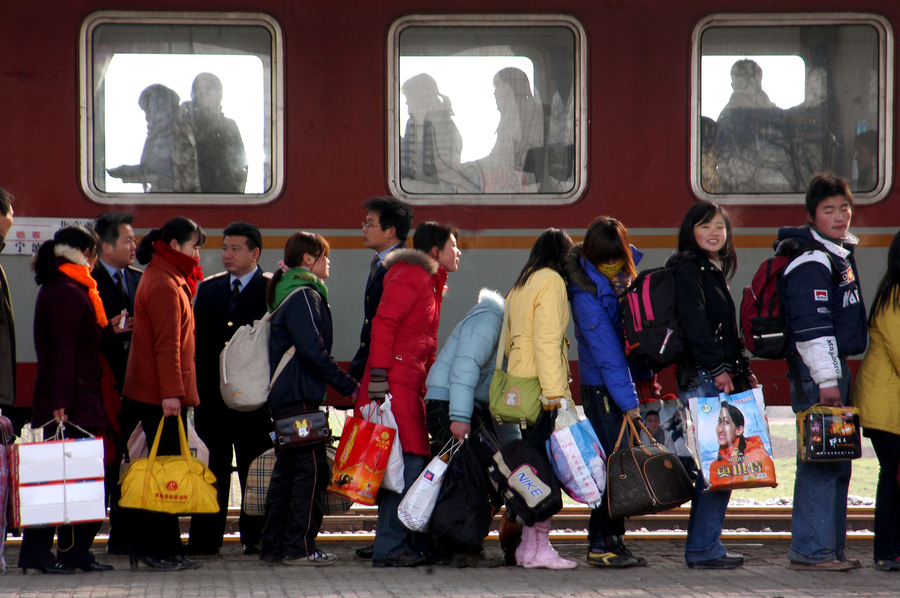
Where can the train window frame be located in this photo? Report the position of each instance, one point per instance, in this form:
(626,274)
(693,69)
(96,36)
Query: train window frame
(274,108)
(885,93)
(581,121)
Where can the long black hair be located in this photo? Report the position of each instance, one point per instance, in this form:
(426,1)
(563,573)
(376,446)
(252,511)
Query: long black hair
(74,237)
(298,245)
(888,293)
(738,418)
(549,251)
(701,213)
(180,229)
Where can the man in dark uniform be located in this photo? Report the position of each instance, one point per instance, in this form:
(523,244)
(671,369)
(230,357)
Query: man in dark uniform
(224,303)
(117,281)
(18,416)
(386,227)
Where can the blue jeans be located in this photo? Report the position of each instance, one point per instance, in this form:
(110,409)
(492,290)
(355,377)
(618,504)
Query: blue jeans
(606,418)
(707,508)
(819,523)
(392,538)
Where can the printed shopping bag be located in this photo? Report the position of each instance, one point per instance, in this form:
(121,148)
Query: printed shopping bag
(828,434)
(381,414)
(670,423)
(733,440)
(418,503)
(578,459)
(362,458)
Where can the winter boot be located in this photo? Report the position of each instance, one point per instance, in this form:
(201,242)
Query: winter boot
(527,547)
(545,556)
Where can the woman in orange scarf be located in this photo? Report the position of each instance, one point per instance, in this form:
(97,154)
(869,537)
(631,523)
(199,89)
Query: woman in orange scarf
(68,320)
(742,462)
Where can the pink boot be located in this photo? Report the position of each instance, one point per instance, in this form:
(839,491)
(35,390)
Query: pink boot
(527,547)
(546,557)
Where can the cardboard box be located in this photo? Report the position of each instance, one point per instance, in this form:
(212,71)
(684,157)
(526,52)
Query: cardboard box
(57,503)
(57,461)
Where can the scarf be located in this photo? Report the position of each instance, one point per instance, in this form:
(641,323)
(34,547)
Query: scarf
(187,266)
(293,279)
(82,275)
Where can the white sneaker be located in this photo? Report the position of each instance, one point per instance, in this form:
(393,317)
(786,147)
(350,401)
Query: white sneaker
(313,559)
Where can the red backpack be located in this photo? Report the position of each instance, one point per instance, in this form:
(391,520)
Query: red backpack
(763,330)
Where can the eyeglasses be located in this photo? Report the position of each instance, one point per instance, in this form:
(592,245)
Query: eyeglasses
(368,225)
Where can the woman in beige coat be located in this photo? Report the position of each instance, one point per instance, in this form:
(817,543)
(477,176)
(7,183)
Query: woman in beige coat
(877,395)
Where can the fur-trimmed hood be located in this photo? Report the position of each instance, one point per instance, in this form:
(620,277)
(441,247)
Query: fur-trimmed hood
(76,256)
(490,300)
(414,257)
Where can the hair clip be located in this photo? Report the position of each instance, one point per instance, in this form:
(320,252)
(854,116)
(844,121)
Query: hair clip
(283,266)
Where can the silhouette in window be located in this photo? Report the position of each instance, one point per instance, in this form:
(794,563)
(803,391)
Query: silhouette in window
(814,139)
(431,144)
(169,159)
(866,151)
(221,159)
(753,145)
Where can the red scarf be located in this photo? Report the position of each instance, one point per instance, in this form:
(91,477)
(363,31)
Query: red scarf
(82,275)
(187,266)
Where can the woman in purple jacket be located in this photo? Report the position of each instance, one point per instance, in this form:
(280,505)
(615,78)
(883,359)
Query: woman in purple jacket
(68,320)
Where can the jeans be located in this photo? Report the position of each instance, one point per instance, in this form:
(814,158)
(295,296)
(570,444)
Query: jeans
(391,537)
(707,508)
(606,418)
(819,523)
(887,496)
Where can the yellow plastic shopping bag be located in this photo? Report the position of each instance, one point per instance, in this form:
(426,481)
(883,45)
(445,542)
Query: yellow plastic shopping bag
(176,484)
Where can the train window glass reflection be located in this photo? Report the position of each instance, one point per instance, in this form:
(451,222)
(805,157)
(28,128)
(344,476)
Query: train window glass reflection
(777,104)
(183,108)
(487,114)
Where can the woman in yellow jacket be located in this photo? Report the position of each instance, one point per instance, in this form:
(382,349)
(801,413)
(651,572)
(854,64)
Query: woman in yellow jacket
(538,313)
(877,395)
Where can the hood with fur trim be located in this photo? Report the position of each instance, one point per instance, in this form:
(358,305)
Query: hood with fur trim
(414,257)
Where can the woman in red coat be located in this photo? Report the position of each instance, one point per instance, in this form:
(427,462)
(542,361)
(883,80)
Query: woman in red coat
(403,347)
(160,380)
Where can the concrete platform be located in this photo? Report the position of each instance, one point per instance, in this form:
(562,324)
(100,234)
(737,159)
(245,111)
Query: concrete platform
(231,574)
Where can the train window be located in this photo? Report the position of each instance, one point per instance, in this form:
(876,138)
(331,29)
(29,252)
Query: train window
(487,109)
(181,108)
(778,98)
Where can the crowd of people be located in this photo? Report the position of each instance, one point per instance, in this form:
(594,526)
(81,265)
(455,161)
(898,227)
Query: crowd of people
(160,333)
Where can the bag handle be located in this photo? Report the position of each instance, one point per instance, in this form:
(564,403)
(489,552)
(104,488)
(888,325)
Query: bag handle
(628,422)
(185,453)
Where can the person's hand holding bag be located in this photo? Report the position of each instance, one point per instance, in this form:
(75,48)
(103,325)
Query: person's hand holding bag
(378,385)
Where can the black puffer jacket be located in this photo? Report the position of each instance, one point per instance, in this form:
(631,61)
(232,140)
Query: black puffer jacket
(304,321)
(708,320)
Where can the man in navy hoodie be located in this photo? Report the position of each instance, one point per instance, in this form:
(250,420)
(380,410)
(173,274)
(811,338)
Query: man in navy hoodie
(824,311)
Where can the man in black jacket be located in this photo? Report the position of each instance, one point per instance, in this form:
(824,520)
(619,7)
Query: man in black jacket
(224,303)
(386,227)
(117,281)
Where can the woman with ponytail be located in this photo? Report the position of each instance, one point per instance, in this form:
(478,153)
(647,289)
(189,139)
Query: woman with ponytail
(160,380)
(68,320)
(303,321)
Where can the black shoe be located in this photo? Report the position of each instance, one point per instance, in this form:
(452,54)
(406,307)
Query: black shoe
(184,563)
(251,549)
(117,550)
(410,558)
(192,549)
(729,561)
(366,552)
(155,564)
(56,569)
(95,566)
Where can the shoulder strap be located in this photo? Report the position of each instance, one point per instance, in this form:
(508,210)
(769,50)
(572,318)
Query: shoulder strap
(501,348)
(286,358)
(814,245)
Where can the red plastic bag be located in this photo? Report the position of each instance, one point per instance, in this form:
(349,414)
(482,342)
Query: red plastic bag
(362,457)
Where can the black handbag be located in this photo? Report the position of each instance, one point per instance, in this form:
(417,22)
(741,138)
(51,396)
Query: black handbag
(524,478)
(301,429)
(644,479)
(463,513)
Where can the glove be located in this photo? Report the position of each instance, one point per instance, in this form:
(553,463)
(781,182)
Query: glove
(378,387)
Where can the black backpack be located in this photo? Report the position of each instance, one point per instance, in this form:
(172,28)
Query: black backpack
(653,338)
(525,480)
(463,513)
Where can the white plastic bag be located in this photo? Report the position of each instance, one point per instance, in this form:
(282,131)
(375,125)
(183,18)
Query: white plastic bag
(381,414)
(417,506)
(139,449)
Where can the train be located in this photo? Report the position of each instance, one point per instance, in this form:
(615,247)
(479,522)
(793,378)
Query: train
(500,120)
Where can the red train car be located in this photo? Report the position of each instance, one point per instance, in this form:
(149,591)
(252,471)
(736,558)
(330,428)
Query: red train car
(501,121)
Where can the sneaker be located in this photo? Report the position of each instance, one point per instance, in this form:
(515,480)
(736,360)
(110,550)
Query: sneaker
(313,559)
(613,558)
(888,565)
(856,563)
(728,561)
(832,565)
